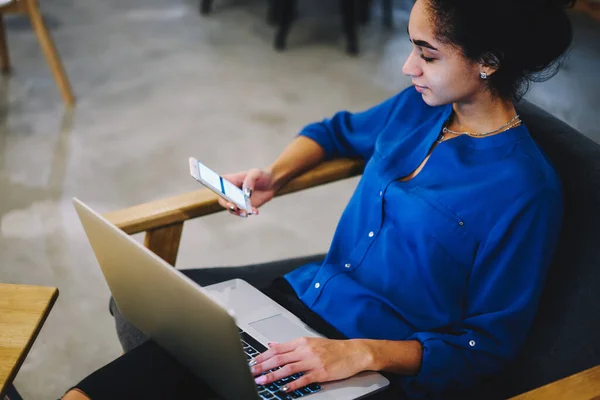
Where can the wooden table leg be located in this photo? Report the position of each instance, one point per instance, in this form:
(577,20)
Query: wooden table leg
(41,31)
(4,57)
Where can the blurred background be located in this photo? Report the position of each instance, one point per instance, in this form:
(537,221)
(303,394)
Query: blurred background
(156,81)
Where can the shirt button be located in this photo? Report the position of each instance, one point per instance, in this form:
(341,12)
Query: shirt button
(348,265)
(371,234)
(461,223)
(317,285)
(381,193)
(472,343)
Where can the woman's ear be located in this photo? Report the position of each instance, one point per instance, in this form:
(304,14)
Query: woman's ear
(489,63)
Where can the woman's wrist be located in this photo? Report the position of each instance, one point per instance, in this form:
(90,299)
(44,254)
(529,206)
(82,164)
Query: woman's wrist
(398,356)
(277,178)
(364,354)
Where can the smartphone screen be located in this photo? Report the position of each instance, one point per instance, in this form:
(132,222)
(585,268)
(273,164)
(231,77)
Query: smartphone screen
(221,185)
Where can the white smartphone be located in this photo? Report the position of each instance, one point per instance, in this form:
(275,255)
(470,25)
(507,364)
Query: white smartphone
(219,185)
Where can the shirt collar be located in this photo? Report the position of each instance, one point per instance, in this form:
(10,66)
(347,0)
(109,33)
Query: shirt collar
(507,137)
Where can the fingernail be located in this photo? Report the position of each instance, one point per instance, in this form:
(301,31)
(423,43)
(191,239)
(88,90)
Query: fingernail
(232,208)
(261,380)
(243,215)
(248,192)
(252,363)
(271,344)
(285,388)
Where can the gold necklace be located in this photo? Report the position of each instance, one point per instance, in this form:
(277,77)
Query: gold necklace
(509,125)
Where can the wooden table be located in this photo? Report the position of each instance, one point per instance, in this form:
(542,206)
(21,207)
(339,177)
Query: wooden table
(23,310)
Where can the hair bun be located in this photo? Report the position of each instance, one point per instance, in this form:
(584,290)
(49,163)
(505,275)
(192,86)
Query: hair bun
(551,33)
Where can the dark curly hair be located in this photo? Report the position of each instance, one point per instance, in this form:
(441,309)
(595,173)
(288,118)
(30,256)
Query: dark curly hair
(527,40)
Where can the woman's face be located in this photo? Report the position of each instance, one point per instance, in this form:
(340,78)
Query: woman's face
(438,70)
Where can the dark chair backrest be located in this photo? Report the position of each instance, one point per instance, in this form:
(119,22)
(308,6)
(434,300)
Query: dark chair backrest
(565,336)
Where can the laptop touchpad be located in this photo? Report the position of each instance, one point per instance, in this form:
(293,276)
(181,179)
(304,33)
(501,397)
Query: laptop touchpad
(279,328)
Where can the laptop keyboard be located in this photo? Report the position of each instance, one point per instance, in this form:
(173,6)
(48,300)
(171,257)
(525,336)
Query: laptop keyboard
(272,391)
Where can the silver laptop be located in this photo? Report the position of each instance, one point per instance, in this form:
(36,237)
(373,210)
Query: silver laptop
(215,330)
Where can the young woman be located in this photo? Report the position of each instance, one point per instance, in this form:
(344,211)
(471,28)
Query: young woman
(437,264)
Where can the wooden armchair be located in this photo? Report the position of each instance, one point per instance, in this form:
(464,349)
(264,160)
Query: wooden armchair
(554,351)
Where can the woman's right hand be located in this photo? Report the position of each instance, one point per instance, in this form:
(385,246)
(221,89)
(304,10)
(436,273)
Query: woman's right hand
(257,182)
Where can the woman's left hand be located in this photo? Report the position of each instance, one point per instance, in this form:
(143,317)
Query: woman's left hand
(319,359)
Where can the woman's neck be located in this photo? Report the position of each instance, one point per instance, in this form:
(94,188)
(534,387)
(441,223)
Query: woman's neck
(483,115)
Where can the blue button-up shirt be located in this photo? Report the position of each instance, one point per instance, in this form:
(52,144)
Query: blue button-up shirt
(455,257)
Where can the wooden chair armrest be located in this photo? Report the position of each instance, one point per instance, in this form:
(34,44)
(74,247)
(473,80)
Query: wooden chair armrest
(177,209)
(584,385)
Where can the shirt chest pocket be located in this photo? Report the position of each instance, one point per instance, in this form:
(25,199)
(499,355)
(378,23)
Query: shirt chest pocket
(426,221)
(449,229)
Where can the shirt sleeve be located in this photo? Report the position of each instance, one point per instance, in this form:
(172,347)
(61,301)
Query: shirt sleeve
(501,300)
(352,135)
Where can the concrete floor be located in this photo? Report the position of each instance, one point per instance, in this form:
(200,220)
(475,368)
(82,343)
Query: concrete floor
(157,83)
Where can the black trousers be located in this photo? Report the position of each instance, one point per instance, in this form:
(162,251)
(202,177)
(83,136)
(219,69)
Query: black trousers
(147,372)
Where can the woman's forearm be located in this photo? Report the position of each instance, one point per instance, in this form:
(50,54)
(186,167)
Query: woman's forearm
(299,156)
(401,357)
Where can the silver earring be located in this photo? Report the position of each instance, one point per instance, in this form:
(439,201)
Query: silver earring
(483,75)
